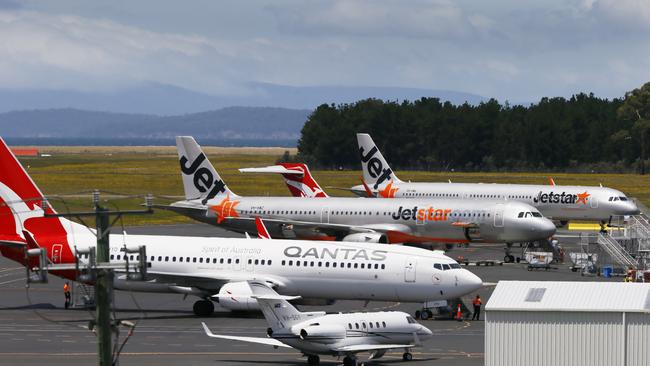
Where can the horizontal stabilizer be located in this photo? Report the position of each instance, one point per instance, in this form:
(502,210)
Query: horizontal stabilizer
(258,340)
(274,169)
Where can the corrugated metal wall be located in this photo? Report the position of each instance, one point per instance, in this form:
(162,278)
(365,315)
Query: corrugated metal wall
(516,338)
(638,339)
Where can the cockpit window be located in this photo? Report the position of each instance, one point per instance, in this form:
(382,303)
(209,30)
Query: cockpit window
(445,267)
(623,198)
(521,214)
(454,266)
(410,320)
(537,214)
(437,266)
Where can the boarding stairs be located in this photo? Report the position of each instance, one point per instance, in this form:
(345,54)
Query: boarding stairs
(83,296)
(616,251)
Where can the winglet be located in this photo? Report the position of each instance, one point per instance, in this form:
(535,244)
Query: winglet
(365,186)
(551,181)
(262,233)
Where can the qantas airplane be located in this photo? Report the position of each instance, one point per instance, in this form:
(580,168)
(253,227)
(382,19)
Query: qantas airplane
(560,203)
(217,269)
(317,333)
(423,221)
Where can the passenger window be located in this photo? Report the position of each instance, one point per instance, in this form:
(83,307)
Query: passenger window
(376,266)
(284,262)
(229,260)
(173,259)
(349,325)
(269,262)
(201,260)
(193,259)
(298,263)
(363,265)
(377,323)
(356,325)
(383,266)
(262,262)
(383,324)
(180,259)
(370,324)
(166,259)
(291,263)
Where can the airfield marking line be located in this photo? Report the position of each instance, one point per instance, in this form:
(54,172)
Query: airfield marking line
(16,280)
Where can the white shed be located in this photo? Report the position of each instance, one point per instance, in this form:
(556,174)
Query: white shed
(568,323)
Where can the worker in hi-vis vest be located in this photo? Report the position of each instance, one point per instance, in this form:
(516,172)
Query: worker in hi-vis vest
(477,307)
(66,292)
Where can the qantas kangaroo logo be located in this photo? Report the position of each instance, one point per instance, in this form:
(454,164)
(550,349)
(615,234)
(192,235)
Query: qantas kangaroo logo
(203,179)
(374,166)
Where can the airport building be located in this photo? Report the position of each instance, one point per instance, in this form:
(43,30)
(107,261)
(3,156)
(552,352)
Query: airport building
(568,323)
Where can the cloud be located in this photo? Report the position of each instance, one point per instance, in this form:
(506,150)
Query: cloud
(435,19)
(60,50)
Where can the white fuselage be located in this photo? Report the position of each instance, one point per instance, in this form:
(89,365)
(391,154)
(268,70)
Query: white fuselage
(344,330)
(312,270)
(434,219)
(555,202)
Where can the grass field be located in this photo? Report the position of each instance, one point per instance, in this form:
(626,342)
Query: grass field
(72,172)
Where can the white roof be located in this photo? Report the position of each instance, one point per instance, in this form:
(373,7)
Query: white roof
(570,296)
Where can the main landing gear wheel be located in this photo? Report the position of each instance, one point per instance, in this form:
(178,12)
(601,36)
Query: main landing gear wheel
(313,360)
(349,361)
(407,356)
(203,308)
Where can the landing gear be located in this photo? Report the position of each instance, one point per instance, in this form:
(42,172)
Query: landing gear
(203,308)
(509,258)
(313,360)
(349,361)
(407,356)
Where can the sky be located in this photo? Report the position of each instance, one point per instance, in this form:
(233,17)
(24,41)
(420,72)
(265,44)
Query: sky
(515,50)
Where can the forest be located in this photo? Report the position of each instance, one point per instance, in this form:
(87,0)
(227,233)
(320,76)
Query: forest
(582,133)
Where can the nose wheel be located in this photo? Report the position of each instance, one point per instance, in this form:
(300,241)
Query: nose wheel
(508,258)
(313,360)
(407,356)
(349,361)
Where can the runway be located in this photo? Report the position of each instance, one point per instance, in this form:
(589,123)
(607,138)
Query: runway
(36,330)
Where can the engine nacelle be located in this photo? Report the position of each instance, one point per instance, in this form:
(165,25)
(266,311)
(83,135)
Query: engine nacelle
(237,296)
(366,238)
(322,333)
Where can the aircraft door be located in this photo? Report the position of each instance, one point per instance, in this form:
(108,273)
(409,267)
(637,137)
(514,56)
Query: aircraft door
(420,219)
(593,202)
(498,215)
(248,264)
(325,215)
(57,251)
(409,269)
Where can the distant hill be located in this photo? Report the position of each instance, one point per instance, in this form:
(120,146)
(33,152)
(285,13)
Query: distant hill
(228,126)
(162,99)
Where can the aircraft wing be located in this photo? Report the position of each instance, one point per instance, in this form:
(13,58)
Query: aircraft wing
(371,347)
(258,340)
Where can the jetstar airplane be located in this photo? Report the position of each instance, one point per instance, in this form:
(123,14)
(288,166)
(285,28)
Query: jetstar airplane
(561,203)
(217,269)
(351,219)
(317,333)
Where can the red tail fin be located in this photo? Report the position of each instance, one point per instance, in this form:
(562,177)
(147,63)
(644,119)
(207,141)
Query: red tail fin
(22,208)
(262,233)
(302,184)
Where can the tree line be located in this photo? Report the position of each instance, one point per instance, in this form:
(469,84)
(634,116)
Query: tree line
(580,133)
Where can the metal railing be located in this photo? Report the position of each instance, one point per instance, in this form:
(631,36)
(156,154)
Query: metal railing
(616,251)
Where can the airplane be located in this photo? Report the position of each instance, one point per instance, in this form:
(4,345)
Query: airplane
(342,334)
(419,222)
(556,202)
(217,269)
(296,176)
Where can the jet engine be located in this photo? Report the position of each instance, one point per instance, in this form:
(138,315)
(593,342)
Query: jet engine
(367,238)
(237,296)
(322,333)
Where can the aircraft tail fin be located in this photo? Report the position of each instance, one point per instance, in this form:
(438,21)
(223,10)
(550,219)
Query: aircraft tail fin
(296,176)
(200,178)
(22,209)
(376,171)
(277,310)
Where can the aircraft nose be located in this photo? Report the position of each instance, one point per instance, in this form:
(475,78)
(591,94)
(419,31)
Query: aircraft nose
(426,331)
(470,281)
(630,208)
(547,228)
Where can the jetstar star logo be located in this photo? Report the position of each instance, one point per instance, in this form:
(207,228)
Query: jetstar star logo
(564,198)
(582,197)
(225,209)
(388,191)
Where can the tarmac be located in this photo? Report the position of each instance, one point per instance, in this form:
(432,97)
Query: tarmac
(35,329)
